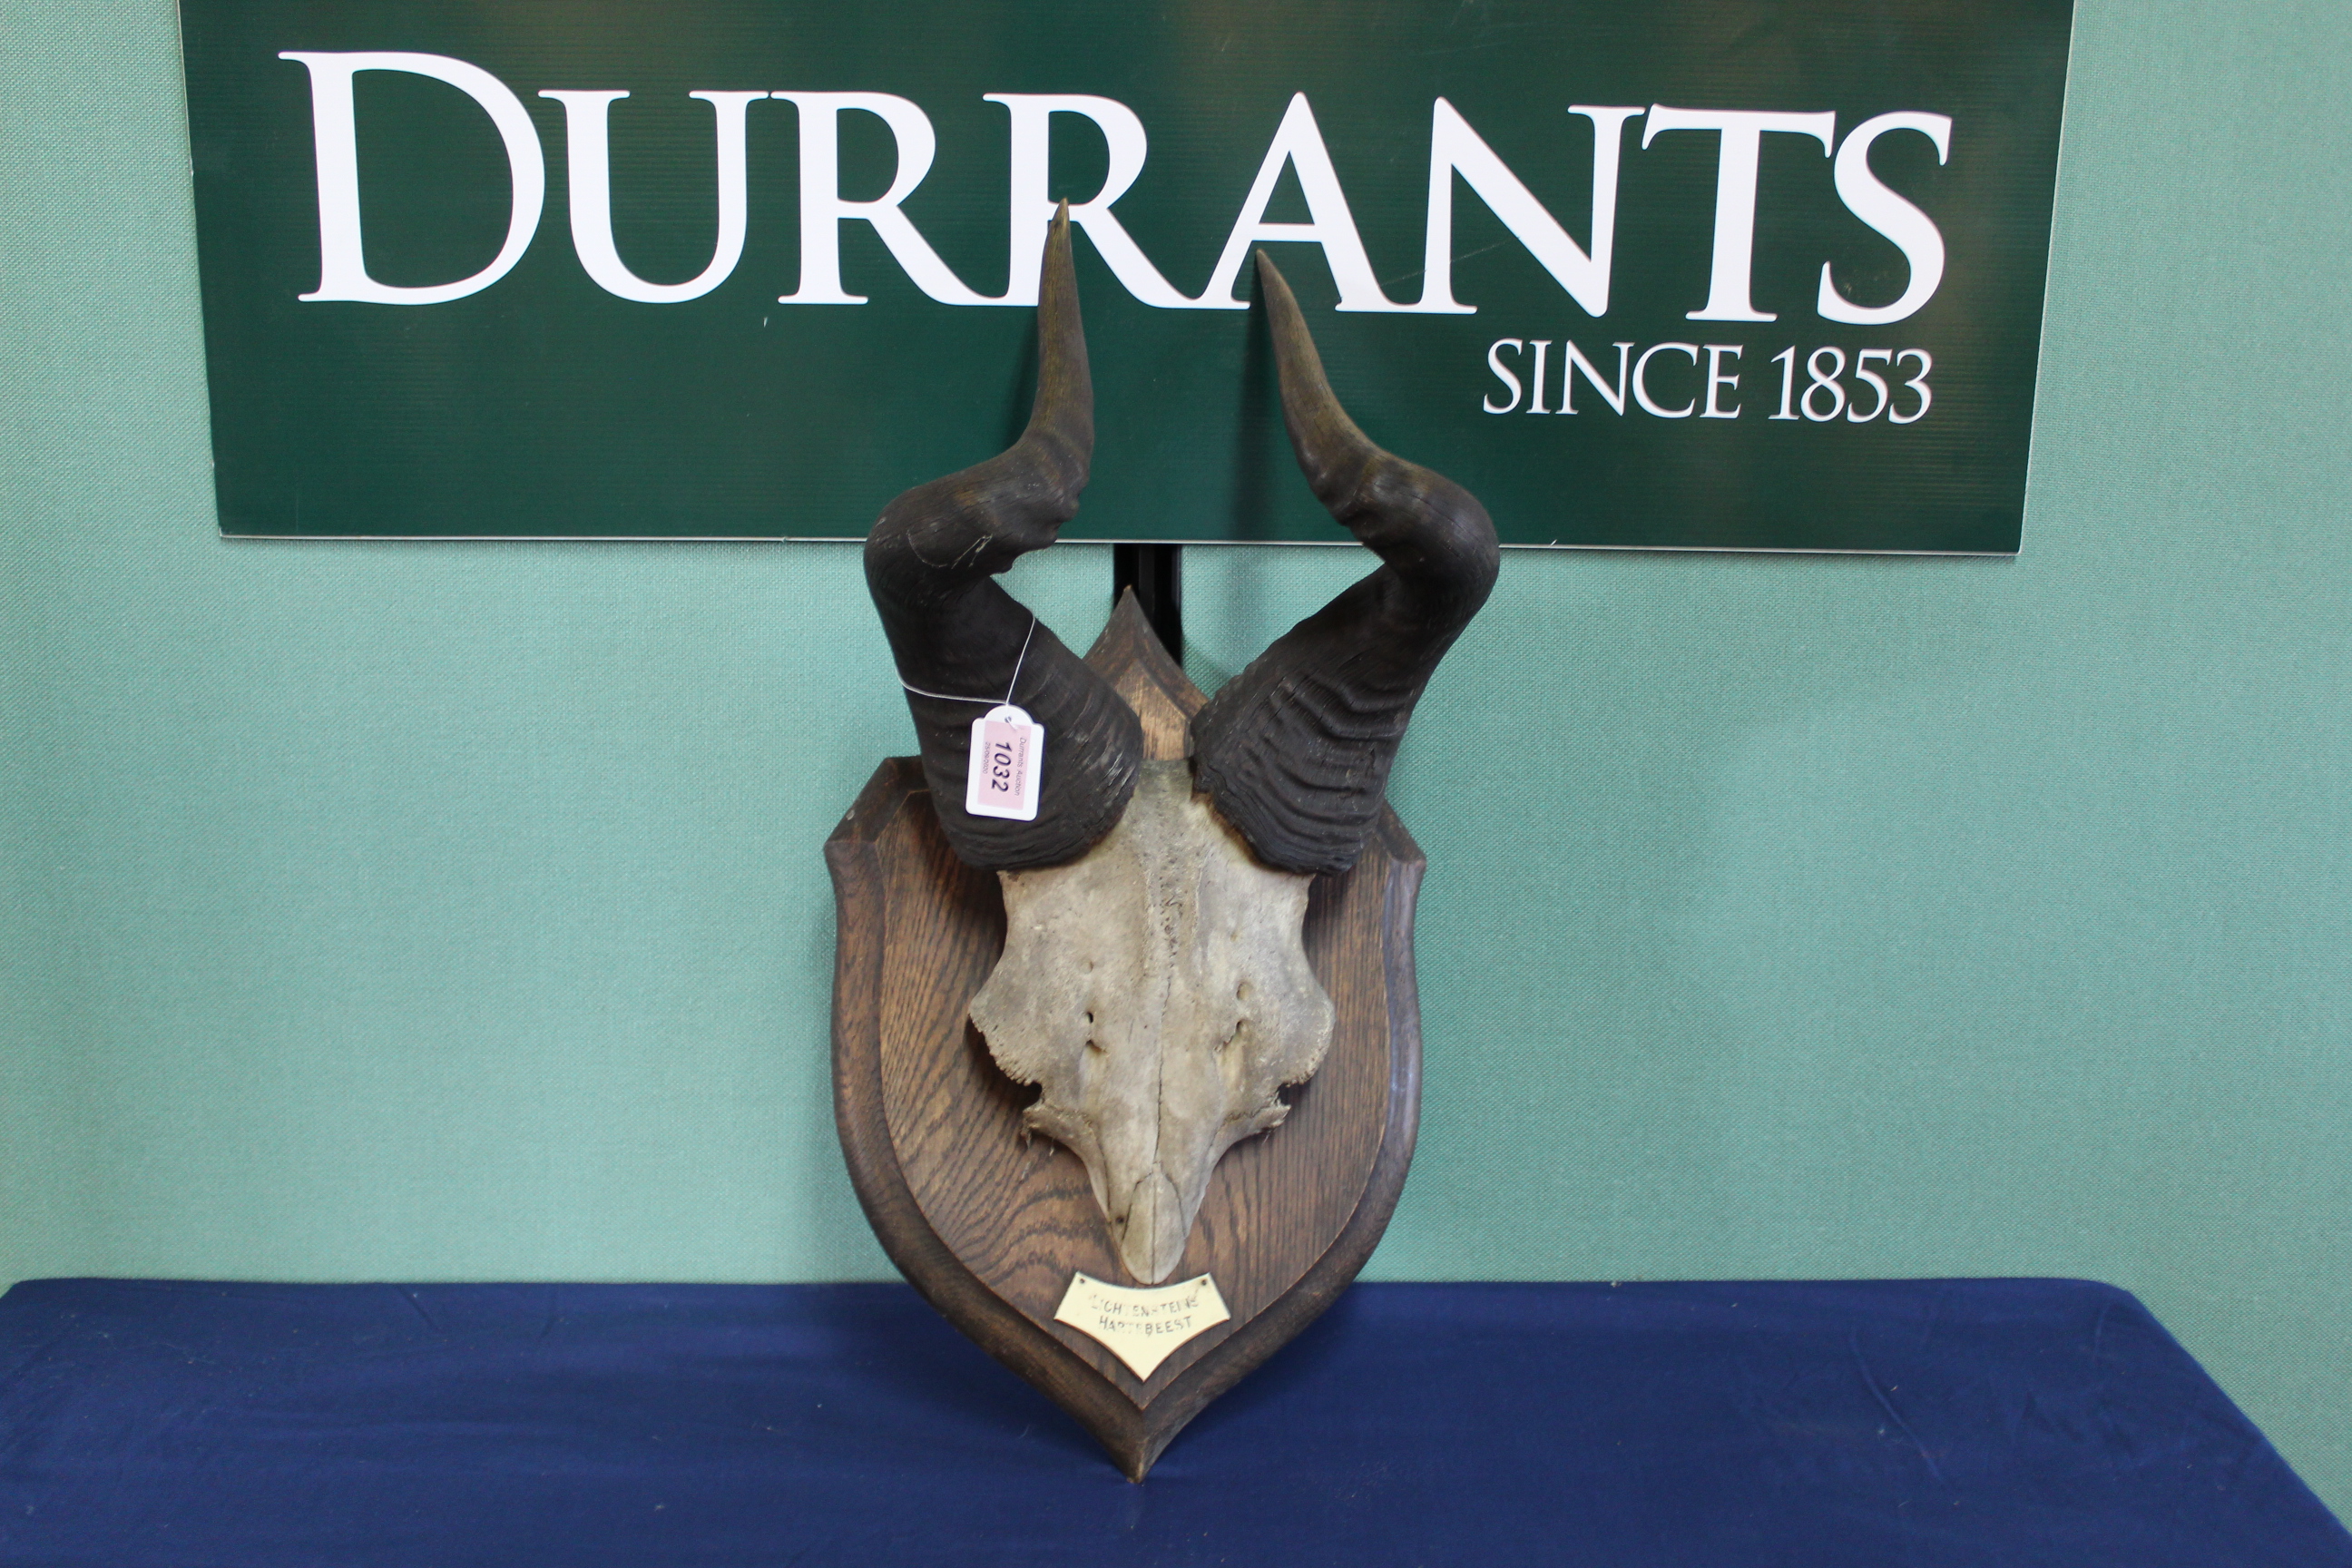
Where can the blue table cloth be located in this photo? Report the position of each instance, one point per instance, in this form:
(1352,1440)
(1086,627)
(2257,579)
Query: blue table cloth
(1891,1425)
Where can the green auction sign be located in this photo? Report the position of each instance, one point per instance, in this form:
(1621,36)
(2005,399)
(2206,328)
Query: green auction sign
(1712,274)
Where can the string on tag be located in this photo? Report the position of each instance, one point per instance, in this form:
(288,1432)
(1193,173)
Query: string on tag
(1009,687)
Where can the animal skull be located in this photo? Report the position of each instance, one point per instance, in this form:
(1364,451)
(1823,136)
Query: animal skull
(1154,983)
(1156,988)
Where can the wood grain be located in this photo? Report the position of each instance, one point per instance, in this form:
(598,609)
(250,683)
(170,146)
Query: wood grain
(990,1224)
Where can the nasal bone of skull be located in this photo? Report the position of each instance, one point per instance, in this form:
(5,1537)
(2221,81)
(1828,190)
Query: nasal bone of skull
(1157,1226)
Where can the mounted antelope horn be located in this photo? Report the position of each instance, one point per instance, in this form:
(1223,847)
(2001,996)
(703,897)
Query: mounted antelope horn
(1294,751)
(962,644)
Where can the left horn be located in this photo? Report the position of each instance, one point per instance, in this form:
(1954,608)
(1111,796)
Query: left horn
(1295,750)
(930,564)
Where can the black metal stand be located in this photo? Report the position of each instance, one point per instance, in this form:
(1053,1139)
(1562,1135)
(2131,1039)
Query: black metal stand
(1155,572)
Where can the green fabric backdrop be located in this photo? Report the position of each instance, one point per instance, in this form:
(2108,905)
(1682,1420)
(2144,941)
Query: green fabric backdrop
(447,911)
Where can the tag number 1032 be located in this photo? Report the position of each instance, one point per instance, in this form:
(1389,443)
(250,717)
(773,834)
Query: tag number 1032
(1825,396)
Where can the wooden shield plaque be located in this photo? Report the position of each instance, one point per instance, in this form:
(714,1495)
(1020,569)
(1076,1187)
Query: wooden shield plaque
(994,1225)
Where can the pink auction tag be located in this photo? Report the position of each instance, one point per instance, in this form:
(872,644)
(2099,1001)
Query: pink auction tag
(1008,752)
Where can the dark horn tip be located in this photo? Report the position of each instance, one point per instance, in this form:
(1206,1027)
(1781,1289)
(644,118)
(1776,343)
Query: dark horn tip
(1373,493)
(1063,416)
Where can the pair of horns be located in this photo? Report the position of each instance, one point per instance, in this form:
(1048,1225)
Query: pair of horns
(1295,751)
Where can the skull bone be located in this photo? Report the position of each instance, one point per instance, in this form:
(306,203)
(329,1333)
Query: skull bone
(1157,990)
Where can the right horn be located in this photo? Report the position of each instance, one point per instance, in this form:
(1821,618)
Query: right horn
(962,644)
(1295,750)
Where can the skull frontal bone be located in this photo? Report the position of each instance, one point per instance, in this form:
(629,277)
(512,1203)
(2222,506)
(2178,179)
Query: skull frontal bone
(1157,992)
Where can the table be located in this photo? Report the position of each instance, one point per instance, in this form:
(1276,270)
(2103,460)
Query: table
(1886,1423)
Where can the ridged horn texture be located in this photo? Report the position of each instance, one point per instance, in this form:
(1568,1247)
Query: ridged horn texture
(930,564)
(1295,750)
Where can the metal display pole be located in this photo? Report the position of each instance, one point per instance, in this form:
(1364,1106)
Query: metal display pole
(1155,572)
